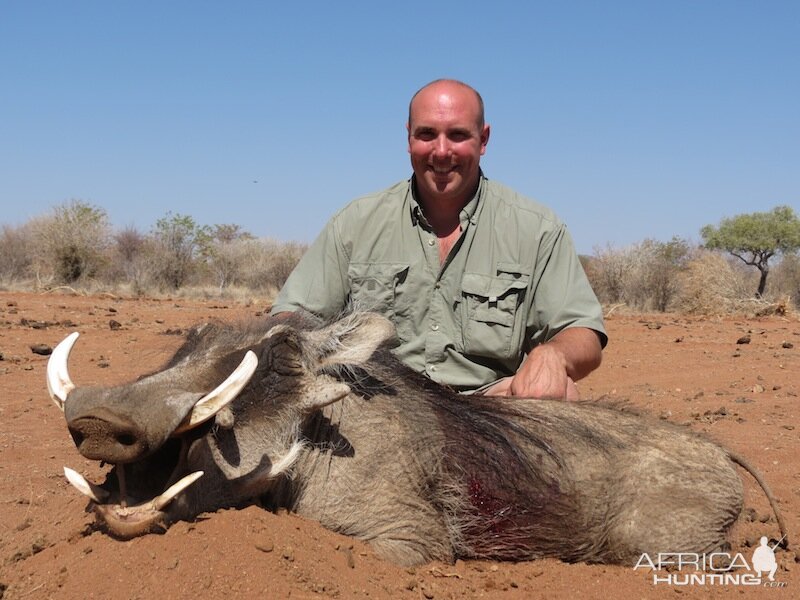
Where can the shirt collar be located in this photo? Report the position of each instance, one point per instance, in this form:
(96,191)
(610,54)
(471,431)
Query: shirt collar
(468,214)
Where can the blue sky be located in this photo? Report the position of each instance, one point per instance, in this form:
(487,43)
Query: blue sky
(633,120)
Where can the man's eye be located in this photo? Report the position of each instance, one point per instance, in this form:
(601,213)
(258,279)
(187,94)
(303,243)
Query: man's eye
(425,136)
(458,136)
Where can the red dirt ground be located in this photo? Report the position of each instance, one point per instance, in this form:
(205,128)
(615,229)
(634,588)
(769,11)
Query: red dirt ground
(686,370)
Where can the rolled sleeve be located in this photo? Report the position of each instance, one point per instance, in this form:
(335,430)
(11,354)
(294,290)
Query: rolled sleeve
(563,297)
(318,284)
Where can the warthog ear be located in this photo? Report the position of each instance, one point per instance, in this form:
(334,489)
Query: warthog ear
(282,353)
(351,340)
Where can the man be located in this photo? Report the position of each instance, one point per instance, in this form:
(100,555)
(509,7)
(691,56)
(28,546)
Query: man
(484,286)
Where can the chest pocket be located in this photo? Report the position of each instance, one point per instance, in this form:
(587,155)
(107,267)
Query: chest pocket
(375,286)
(492,323)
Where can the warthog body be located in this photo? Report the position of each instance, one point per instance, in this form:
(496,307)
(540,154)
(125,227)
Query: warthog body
(333,427)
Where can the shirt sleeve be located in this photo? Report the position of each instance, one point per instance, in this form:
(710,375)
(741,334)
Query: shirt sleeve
(562,294)
(319,282)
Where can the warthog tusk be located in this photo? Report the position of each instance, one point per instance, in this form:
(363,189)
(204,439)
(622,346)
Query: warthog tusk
(58,382)
(79,482)
(176,488)
(225,392)
(95,492)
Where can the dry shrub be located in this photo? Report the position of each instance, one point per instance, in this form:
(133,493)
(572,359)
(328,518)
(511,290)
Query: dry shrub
(228,261)
(784,280)
(644,276)
(714,284)
(607,271)
(16,251)
(128,259)
(73,245)
(710,285)
(268,264)
(258,265)
(70,243)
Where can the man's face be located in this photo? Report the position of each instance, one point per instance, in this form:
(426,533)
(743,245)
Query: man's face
(445,142)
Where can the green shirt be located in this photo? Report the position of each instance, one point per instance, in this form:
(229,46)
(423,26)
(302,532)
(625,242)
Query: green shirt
(510,282)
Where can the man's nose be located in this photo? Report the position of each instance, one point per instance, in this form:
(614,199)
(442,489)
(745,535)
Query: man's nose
(441,147)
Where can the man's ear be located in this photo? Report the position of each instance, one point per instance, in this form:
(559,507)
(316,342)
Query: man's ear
(351,340)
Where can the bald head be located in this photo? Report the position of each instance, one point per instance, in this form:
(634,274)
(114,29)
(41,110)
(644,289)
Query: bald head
(447,86)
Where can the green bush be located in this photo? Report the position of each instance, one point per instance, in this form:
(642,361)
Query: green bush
(177,240)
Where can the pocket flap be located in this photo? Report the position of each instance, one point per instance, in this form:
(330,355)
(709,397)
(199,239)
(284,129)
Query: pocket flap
(488,313)
(492,287)
(515,269)
(383,273)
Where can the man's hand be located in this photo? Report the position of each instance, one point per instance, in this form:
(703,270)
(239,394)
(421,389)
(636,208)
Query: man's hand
(544,384)
(551,369)
(503,388)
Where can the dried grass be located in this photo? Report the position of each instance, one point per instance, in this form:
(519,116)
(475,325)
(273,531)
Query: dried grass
(711,286)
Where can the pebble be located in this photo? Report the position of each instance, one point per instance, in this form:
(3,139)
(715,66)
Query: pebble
(267,546)
(348,555)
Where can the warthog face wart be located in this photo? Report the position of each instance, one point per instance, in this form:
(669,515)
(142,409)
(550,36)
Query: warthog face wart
(323,420)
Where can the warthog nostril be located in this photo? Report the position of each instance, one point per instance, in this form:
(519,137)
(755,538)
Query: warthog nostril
(77,437)
(126,439)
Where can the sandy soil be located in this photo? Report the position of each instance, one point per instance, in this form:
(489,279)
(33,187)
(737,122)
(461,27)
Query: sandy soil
(686,370)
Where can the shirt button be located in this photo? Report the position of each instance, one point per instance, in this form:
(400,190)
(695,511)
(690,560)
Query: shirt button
(431,242)
(435,327)
(432,368)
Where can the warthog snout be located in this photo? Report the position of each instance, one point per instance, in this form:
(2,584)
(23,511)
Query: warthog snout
(103,435)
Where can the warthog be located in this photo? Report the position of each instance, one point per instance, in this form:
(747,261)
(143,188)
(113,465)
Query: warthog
(324,421)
